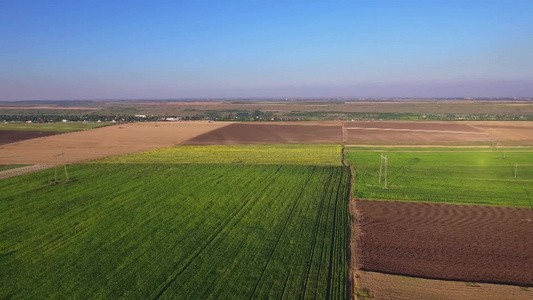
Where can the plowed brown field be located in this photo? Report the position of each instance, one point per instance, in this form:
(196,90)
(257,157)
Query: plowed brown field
(386,286)
(425,132)
(11,136)
(443,241)
(413,133)
(103,142)
(425,126)
(275,133)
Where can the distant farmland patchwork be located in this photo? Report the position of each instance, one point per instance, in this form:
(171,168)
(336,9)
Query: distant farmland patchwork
(261,216)
(158,231)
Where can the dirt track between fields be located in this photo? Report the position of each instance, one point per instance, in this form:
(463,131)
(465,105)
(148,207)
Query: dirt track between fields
(261,133)
(12,136)
(102,142)
(443,241)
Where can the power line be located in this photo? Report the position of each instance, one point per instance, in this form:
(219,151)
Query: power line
(383,162)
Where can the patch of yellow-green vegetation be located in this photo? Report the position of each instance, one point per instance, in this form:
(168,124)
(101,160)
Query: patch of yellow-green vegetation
(57,126)
(315,154)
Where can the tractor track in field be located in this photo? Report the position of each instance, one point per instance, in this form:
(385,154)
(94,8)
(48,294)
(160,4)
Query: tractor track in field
(210,240)
(281,232)
(332,246)
(316,230)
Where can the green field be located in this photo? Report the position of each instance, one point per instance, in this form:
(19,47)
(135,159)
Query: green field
(57,127)
(453,177)
(316,154)
(149,231)
(442,149)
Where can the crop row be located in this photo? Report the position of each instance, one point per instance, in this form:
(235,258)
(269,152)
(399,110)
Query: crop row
(163,231)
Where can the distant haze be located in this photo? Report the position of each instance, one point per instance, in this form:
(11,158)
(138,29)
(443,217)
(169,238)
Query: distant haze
(222,49)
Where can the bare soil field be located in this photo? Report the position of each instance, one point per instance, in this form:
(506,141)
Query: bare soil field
(376,132)
(270,133)
(49,107)
(386,286)
(443,241)
(379,137)
(11,136)
(508,133)
(103,142)
(426,126)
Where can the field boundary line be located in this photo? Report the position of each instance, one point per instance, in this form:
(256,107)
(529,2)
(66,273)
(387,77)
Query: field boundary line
(426,146)
(23,170)
(407,274)
(436,151)
(416,130)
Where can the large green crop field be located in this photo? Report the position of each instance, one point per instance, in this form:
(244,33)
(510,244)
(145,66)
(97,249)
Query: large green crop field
(453,176)
(149,231)
(310,154)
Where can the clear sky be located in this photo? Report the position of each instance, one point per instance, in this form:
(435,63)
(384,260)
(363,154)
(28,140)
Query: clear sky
(175,49)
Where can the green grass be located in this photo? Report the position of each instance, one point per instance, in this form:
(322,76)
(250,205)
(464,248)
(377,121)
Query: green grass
(441,149)
(328,155)
(451,177)
(57,127)
(8,167)
(148,231)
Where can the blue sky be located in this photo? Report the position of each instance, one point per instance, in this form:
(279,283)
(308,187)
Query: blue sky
(175,49)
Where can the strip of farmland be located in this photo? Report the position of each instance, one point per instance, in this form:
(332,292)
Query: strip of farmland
(162,231)
(495,178)
(311,154)
(261,133)
(13,136)
(454,242)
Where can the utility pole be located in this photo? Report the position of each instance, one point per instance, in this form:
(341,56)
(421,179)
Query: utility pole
(386,162)
(380,168)
(55,172)
(515,169)
(62,155)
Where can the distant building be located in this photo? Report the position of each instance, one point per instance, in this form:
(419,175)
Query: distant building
(173,119)
(140,116)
